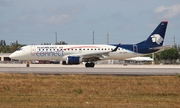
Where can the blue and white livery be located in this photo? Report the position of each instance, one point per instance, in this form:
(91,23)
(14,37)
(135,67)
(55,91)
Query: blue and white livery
(75,54)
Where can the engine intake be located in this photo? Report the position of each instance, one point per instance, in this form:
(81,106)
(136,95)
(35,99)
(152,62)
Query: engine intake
(73,60)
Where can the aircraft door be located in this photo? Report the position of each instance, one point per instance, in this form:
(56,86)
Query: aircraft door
(135,49)
(33,50)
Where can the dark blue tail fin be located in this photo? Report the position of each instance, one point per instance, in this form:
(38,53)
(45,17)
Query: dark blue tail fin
(157,37)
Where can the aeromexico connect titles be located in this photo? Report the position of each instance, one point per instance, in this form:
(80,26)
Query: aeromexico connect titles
(75,54)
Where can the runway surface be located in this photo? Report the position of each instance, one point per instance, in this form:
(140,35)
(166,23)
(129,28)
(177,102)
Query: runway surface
(98,70)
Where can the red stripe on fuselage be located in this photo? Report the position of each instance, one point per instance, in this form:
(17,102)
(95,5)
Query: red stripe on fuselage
(83,47)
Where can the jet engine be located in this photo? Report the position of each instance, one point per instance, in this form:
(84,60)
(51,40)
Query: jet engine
(73,60)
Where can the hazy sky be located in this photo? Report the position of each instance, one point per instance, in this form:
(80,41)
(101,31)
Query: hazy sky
(127,21)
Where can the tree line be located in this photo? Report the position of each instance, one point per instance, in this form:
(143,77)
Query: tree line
(4,48)
(170,56)
(9,48)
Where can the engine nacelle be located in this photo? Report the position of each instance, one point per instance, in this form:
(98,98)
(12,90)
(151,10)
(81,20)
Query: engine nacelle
(73,60)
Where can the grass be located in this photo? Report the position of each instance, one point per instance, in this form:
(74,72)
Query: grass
(83,91)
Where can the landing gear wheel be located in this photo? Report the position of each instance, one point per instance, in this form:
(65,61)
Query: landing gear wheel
(27,65)
(89,65)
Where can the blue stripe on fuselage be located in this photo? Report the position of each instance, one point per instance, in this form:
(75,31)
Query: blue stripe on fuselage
(140,48)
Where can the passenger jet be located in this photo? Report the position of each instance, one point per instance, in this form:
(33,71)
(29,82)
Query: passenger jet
(76,54)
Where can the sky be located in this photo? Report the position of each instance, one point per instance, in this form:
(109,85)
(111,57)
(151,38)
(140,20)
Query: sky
(126,21)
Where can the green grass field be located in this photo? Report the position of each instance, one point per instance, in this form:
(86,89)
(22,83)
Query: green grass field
(88,91)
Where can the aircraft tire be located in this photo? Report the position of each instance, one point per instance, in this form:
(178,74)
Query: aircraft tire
(89,65)
(92,65)
(27,65)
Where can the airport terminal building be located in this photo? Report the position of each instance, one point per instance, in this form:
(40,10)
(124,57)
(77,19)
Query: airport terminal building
(4,57)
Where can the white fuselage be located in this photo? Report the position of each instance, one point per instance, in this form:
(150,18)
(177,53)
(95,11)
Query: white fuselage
(60,52)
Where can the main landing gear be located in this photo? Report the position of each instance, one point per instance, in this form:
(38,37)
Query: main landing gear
(89,64)
(27,64)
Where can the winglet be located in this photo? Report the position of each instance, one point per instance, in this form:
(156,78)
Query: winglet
(115,49)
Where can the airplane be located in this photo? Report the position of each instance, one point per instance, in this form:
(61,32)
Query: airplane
(76,54)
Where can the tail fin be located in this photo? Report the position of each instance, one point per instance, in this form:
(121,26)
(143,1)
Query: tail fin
(157,36)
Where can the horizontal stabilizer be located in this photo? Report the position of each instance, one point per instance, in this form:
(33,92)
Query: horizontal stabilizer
(161,47)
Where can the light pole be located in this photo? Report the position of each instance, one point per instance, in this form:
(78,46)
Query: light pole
(107,38)
(93,37)
(56,39)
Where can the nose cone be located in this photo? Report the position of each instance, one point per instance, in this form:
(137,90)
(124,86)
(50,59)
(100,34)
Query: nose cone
(12,56)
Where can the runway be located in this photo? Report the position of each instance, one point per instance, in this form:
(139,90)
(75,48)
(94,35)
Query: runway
(59,69)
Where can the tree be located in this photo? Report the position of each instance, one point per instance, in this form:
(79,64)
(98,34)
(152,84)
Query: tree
(61,43)
(170,54)
(2,43)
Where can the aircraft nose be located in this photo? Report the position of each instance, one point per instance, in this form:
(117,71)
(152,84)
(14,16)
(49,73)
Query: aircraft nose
(12,56)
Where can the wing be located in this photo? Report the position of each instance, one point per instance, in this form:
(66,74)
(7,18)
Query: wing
(95,56)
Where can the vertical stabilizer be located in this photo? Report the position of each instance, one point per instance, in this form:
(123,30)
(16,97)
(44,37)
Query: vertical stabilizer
(157,36)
